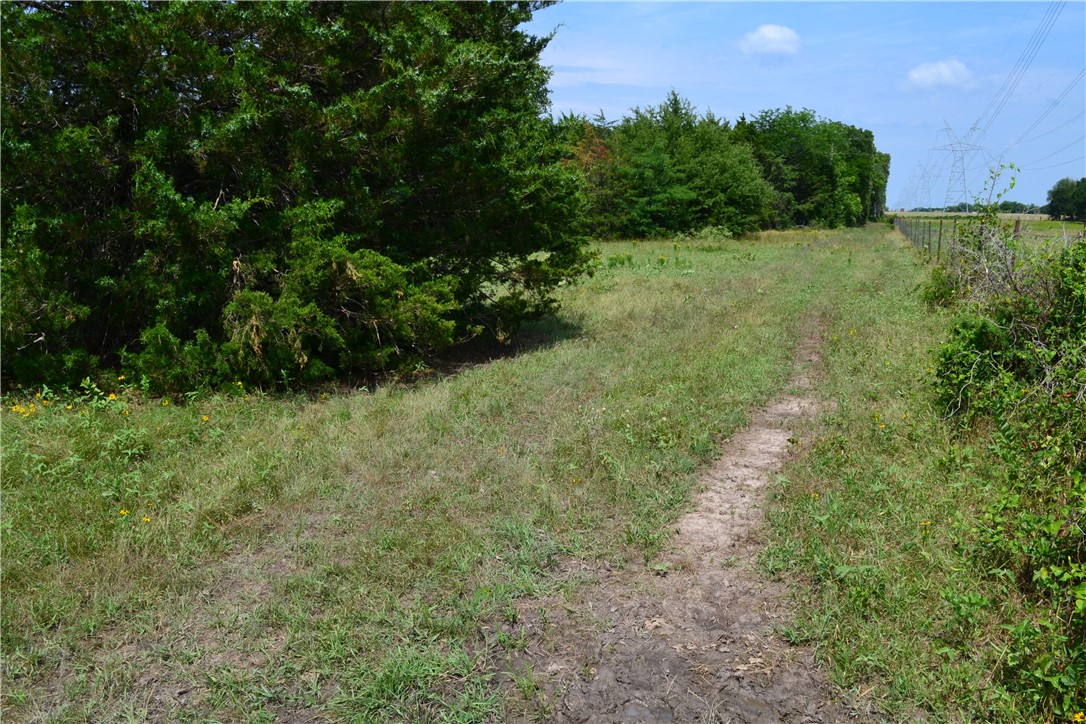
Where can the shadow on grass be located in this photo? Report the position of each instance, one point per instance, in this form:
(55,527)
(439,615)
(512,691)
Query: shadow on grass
(533,335)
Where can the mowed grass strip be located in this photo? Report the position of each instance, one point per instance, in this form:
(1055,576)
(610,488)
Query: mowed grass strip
(244,556)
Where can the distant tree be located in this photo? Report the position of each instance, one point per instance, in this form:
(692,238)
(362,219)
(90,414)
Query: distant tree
(1067,199)
(273,190)
(1080,200)
(1013,207)
(824,173)
(665,169)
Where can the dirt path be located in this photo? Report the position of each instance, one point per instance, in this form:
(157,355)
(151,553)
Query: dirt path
(691,638)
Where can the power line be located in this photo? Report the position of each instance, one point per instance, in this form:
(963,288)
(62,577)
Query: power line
(1056,153)
(1049,132)
(1051,107)
(1046,168)
(1021,66)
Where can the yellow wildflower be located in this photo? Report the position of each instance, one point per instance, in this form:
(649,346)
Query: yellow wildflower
(206,418)
(124,512)
(146,519)
(112,396)
(121,377)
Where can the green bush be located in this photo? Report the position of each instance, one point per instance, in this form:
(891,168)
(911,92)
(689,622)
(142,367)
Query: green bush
(273,191)
(939,290)
(1015,364)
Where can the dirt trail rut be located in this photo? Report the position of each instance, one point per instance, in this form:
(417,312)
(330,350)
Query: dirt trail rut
(692,638)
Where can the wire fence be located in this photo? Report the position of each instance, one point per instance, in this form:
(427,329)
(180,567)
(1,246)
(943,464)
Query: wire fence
(934,236)
(937,237)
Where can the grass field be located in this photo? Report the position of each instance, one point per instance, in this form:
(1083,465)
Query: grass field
(242,556)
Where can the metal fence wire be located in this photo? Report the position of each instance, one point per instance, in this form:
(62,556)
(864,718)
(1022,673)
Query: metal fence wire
(931,235)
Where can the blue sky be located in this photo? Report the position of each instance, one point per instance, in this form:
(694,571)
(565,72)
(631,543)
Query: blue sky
(902,70)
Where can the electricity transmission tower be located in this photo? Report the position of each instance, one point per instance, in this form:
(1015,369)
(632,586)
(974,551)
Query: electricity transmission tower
(957,190)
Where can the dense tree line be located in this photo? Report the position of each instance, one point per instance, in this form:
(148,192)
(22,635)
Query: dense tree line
(286,192)
(666,169)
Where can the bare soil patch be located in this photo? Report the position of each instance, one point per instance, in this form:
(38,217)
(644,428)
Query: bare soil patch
(691,636)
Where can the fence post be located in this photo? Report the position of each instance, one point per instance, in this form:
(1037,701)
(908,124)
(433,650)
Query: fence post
(939,247)
(954,242)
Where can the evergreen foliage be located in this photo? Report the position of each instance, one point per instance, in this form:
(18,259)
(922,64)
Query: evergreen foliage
(273,191)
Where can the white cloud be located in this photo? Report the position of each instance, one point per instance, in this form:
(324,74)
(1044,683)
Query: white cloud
(949,73)
(771,40)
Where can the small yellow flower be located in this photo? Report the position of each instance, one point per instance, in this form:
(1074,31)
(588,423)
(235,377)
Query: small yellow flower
(1080,716)
(125,412)
(815,496)
(925,523)
(112,396)
(120,378)
(206,418)
(150,504)
(124,512)
(38,395)
(165,403)
(882,426)
(67,407)
(146,519)
(238,383)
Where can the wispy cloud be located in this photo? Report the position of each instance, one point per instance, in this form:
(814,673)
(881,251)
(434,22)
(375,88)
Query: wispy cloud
(944,73)
(771,40)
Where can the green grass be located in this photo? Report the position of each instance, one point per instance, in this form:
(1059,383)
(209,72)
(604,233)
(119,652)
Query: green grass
(350,553)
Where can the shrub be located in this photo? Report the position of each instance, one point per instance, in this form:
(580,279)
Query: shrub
(1016,360)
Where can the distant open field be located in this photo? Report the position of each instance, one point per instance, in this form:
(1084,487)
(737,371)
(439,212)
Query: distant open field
(946,215)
